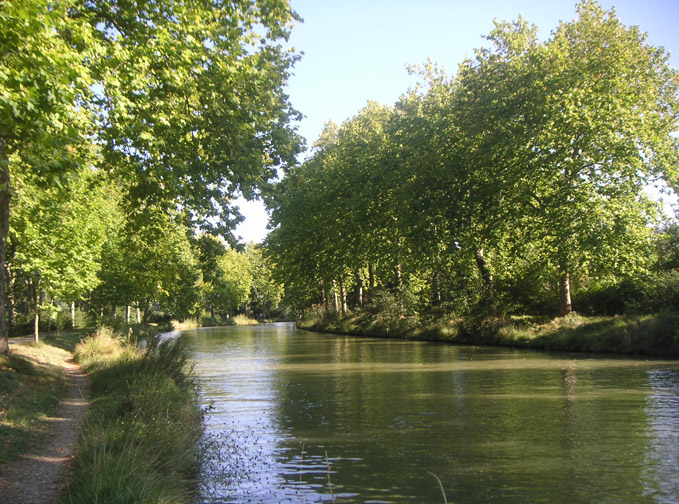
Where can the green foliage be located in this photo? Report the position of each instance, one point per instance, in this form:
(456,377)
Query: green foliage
(139,439)
(499,190)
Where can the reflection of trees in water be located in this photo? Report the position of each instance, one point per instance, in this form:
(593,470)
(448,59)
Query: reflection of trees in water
(662,454)
(491,425)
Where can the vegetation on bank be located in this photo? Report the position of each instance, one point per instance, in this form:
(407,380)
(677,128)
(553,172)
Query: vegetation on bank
(651,335)
(517,186)
(111,196)
(140,440)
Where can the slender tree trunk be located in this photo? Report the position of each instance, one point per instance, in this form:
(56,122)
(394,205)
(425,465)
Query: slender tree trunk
(5,195)
(36,305)
(359,289)
(114,309)
(72,314)
(127,315)
(399,284)
(485,272)
(57,322)
(565,288)
(11,306)
(138,314)
(371,281)
(334,293)
(343,291)
(436,289)
(324,293)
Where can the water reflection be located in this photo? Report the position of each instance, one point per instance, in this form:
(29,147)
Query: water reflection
(316,418)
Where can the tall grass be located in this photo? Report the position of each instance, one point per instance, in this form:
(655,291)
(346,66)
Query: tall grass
(139,442)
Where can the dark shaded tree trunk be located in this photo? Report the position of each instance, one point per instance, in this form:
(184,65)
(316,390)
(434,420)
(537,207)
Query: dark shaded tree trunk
(436,289)
(359,289)
(324,294)
(565,288)
(11,305)
(484,270)
(371,281)
(5,196)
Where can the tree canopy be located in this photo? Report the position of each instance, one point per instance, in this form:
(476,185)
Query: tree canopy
(509,185)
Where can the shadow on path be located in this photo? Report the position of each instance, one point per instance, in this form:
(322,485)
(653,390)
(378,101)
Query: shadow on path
(40,474)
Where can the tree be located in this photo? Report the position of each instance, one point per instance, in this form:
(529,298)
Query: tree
(610,108)
(58,232)
(231,287)
(43,84)
(192,103)
(265,292)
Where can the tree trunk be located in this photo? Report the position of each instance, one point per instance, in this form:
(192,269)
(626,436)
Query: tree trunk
(343,292)
(371,281)
(334,293)
(482,264)
(36,302)
(326,301)
(138,314)
(5,195)
(359,289)
(436,289)
(127,315)
(11,306)
(565,288)
(72,314)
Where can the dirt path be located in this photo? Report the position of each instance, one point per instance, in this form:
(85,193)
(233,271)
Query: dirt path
(39,476)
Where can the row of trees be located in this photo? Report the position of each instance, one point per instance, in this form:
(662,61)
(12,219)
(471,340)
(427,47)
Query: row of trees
(72,246)
(514,182)
(125,130)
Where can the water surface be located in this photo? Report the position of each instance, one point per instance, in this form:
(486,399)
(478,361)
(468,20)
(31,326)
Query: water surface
(299,417)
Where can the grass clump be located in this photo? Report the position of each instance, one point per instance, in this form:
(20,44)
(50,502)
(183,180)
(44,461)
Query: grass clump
(139,442)
(32,382)
(243,320)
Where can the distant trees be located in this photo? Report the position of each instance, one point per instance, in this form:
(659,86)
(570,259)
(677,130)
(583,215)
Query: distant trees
(506,186)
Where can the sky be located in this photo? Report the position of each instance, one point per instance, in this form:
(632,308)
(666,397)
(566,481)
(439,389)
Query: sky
(354,51)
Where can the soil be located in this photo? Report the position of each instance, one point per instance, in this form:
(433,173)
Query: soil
(40,475)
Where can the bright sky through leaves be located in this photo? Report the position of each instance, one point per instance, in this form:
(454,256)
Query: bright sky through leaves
(358,50)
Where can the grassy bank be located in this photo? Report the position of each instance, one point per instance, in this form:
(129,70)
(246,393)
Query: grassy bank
(32,382)
(211,322)
(653,335)
(139,442)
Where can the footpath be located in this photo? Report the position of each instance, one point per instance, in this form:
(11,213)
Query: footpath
(40,475)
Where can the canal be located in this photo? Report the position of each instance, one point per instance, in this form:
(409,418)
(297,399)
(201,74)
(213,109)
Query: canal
(299,417)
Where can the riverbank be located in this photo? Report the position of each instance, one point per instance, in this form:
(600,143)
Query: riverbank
(139,442)
(651,335)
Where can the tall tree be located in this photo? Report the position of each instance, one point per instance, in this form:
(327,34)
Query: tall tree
(610,108)
(192,103)
(43,84)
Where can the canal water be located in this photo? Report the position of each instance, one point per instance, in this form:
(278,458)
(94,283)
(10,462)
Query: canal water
(299,417)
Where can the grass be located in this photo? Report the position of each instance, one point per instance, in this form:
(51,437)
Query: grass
(653,335)
(32,382)
(139,441)
(243,320)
